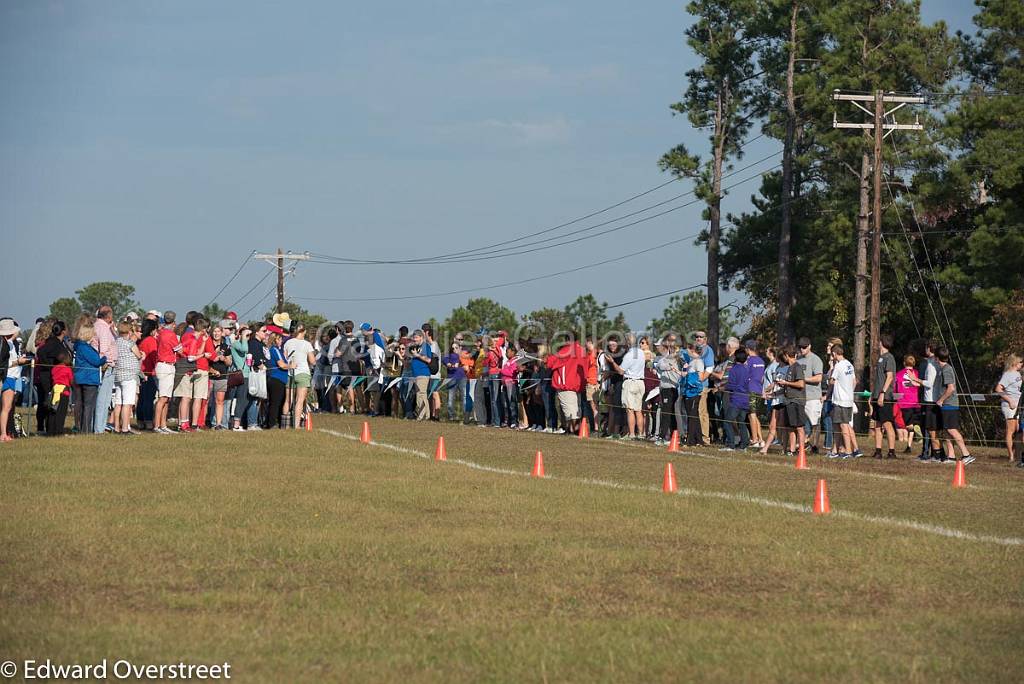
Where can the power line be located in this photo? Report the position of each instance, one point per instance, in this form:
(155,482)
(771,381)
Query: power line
(231,279)
(546,276)
(250,290)
(662,294)
(339,262)
(477,254)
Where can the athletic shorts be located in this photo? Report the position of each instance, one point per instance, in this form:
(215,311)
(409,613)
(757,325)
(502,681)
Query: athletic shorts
(165,379)
(125,392)
(302,380)
(218,385)
(950,418)
(593,392)
(932,417)
(10,385)
(795,415)
(633,394)
(842,414)
(881,414)
(813,410)
(1008,413)
(570,403)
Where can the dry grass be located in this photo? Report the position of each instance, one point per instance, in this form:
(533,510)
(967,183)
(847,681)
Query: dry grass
(310,556)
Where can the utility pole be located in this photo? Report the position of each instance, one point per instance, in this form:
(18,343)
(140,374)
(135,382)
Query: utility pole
(879,130)
(277,260)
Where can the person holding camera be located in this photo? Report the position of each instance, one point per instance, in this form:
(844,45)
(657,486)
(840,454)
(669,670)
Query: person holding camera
(421,356)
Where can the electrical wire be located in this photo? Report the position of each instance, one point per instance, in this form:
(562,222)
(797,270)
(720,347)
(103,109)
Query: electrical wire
(232,278)
(479,253)
(250,290)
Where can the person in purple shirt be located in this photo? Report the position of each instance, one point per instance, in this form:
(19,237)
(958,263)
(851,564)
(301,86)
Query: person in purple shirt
(456,379)
(756,365)
(738,388)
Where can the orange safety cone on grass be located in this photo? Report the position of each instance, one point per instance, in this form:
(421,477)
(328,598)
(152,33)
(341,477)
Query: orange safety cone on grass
(364,436)
(673,444)
(959,476)
(538,465)
(440,454)
(821,505)
(669,483)
(584,428)
(801,459)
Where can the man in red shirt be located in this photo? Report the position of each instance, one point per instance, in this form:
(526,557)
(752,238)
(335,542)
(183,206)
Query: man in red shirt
(167,348)
(568,373)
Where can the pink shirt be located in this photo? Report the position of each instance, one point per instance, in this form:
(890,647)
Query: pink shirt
(105,342)
(911,394)
(508,371)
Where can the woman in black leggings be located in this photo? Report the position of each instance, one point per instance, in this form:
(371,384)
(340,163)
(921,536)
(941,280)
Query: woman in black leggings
(277,381)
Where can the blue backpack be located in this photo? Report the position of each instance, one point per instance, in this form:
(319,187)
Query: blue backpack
(690,384)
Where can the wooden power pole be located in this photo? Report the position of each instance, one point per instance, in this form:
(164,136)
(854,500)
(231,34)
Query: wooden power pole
(277,260)
(879,131)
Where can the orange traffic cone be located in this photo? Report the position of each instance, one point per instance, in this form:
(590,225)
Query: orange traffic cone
(673,444)
(364,437)
(309,421)
(821,505)
(669,483)
(801,459)
(538,465)
(959,476)
(441,454)
(584,428)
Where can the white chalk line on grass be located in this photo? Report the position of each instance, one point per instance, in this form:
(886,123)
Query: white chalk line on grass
(759,462)
(724,496)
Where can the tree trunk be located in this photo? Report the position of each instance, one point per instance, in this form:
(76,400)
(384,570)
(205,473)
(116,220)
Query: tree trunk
(861,286)
(784,325)
(715,214)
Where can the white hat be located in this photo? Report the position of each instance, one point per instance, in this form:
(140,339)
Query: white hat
(283,320)
(154,312)
(8,327)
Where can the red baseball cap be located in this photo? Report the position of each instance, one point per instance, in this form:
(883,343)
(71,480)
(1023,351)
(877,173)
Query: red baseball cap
(232,315)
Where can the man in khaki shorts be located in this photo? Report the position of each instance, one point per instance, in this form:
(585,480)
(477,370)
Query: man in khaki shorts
(633,364)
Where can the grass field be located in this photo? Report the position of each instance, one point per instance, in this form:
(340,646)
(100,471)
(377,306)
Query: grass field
(310,556)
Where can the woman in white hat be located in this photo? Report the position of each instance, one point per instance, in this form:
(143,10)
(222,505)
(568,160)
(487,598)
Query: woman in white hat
(10,363)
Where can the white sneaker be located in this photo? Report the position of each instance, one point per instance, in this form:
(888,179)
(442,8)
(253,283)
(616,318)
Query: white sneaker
(254,428)
(238,428)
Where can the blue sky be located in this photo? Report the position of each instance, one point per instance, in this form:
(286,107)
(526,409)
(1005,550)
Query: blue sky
(158,143)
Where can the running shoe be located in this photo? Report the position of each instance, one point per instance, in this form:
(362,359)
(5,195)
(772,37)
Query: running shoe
(968,459)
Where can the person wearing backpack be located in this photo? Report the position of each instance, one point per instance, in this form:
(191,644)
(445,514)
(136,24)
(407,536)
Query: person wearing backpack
(691,388)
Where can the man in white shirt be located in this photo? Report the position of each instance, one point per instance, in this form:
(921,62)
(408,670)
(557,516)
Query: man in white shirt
(931,414)
(632,365)
(843,380)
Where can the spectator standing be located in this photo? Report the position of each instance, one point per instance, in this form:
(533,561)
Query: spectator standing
(707,357)
(842,380)
(814,372)
(420,365)
(756,370)
(908,403)
(737,397)
(949,404)
(105,342)
(89,365)
(632,367)
(168,346)
(126,377)
(456,380)
(10,366)
(1009,390)
(147,389)
(794,386)
(882,397)
(666,364)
